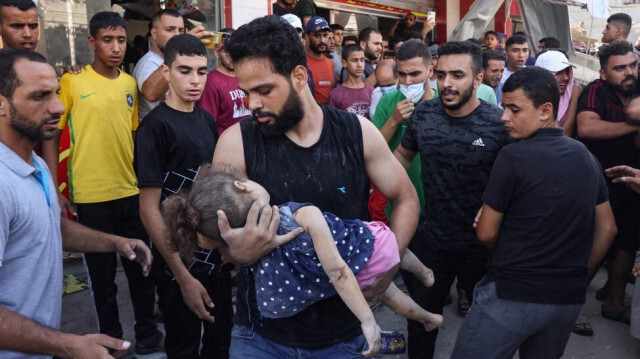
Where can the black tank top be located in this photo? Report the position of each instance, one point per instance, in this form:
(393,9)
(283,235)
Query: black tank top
(330,174)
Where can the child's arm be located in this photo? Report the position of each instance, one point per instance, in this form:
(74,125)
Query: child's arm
(312,221)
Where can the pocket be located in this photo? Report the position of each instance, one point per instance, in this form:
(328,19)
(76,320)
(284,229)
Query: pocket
(242,333)
(355,347)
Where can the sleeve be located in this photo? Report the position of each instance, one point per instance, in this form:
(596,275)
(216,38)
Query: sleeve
(146,68)
(149,155)
(134,116)
(5,222)
(410,137)
(65,98)
(381,112)
(210,100)
(501,186)
(603,191)
(591,100)
(307,9)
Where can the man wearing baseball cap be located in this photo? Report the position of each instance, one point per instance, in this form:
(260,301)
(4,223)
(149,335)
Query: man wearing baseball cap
(556,62)
(317,37)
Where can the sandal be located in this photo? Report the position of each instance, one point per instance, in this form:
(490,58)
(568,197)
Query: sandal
(121,354)
(622,316)
(463,302)
(144,349)
(582,327)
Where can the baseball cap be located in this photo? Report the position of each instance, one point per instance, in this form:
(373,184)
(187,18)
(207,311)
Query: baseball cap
(293,20)
(553,61)
(316,24)
(433,49)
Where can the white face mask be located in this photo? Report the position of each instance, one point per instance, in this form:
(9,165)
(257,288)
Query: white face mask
(388,89)
(413,92)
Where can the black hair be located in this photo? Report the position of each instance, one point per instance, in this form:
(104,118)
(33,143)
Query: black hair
(412,49)
(538,84)
(105,20)
(623,20)
(393,40)
(228,30)
(516,39)
(550,43)
(616,48)
(183,45)
(349,49)
(8,77)
(411,35)
(474,40)
(464,48)
(490,33)
(350,38)
(268,37)
(365,34)
(520,33)
(488,55)
(22,5)
(335,27)
(160,13)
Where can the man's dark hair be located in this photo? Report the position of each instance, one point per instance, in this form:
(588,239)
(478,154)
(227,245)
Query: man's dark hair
(520,33)
(490,33)
(349,49)
(474,40)
(616,48)
(8,77)
(365,34)
(350,38)
(464,48)
(228,30)
(538,84)
(22,5)
(550,43)
(516,39)
(412,49)
(393,40)
(183,45)
(489,55)
(411,35)
(335,27)
(160,13)
(269,37)
(105,20)
(623,20)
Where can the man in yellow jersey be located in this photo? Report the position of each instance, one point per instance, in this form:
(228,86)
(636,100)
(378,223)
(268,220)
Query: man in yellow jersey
(101,113)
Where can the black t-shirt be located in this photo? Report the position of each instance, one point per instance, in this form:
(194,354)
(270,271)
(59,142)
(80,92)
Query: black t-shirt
(547,187)
(457,155)
(331,174)
(279,10)
(170,147)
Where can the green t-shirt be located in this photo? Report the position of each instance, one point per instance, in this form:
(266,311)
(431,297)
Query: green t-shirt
(486,93)
(304,8)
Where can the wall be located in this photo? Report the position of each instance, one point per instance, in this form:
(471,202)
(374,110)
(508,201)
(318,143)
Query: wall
(240,12)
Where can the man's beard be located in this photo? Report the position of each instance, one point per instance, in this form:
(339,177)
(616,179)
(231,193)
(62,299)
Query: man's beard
(290,115)
(370,55)
(625,90)
(464,97)
(28,129)
(316,48)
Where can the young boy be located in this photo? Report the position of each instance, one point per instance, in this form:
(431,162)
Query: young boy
(172,142)
(102,113)
(353,95)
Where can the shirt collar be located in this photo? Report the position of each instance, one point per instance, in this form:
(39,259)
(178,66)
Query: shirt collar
(552,131)
(14,162)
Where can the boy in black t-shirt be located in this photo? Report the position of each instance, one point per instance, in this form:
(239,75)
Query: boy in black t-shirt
(547,218)
(172,143)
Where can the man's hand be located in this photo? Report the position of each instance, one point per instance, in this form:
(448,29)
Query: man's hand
(75,69)
(200,32)
(371,332)
(195,297)
(625,174)
(402,111)
(376,290)
(475,220)
(258,237)
(636,270)
(94,346)
(65,206)
(135,249)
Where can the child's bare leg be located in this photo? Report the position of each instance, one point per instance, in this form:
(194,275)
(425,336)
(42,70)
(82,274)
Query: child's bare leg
(412,264)
(403,305)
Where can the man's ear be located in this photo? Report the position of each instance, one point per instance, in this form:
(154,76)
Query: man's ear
(4,107)
(546,112)
(92,42)
(299,77)
(477,81)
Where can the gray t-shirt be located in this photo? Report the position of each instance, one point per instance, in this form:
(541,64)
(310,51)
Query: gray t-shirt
(144,68)
(30,243)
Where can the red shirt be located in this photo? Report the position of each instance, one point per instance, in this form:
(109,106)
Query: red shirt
(323,77)
(223,100)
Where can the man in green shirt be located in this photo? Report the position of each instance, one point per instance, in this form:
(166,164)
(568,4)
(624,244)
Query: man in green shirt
(305,10)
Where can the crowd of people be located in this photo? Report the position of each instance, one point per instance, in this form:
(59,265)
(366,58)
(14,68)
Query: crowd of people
(320,166)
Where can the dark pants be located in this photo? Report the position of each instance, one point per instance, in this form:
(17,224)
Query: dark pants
(183,328)
(446,267)
(120,217)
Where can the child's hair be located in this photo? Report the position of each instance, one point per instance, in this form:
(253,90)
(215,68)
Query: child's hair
(188,213)
(350,49)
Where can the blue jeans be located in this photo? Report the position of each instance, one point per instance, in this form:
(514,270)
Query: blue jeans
(495,328)
(247,344)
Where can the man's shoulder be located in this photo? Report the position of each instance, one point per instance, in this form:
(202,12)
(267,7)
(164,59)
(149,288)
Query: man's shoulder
(150,60)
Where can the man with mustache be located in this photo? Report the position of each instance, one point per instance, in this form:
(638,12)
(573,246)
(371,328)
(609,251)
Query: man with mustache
(300,151)
(101,112)
(322,69)
(19,24)
(457,137)
(601,126)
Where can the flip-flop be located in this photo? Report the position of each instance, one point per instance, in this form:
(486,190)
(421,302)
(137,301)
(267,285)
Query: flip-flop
(582,327)
(623,316)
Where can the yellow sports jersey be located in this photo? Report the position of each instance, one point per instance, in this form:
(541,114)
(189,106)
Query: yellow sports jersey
(102,114)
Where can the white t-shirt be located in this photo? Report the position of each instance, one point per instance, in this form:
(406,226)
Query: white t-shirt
(144,68)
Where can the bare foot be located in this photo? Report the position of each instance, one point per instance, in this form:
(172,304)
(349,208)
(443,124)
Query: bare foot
(432,322)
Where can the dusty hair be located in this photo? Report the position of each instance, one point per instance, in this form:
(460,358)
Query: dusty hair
(188,213)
